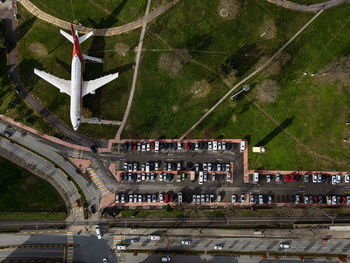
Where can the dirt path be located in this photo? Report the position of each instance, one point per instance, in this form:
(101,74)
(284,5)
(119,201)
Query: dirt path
(134,79)
(97,32)
(307,8)
(255,72)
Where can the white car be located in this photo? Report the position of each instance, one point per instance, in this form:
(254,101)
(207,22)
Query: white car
(104,260)
(233,199)
(98,232)
(210,146)
(314,178)
(196,146)
(120,247)
(215,146)
(209,167)
(227,167)
(131,198)
(228,177)
(156,166)
(135,167)
(218,167)
(334,180)
(148,147)
(218,247)
(117,198)
(179,145)
(268,178)
(334,200)
(306,199)
(204,167)
(297,199)
(197,167)
(242,146)
(284,245)
(223,146)
(161,198)
(347,178)
(278,178)
(185,242)
(200,177)
(219,146)
(143,147)
(338,178)
(153,237)
(242,198)
(348,200)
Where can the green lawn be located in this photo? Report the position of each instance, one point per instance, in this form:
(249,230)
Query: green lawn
(25,192)
(317,112)
(222,45)
(42,46)
(94,13)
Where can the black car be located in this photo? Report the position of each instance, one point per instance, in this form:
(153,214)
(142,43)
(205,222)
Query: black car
(192,146)
(201,145)
(93,209)
(205,145)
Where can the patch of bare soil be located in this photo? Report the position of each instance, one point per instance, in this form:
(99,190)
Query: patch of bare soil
(38,49)
(234,118)
(172,62)
(175,108)
(122,49)
(200,89)
(229,9)
(268,90)
(337,71)
(275,67)
(268,29)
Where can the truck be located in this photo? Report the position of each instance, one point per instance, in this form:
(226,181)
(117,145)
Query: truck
(259,149)
(192,176)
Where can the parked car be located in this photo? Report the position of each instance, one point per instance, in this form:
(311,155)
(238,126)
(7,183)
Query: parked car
(278,178)
(268,178)
(233,200)
(306,178)
(185,242)
(347,178)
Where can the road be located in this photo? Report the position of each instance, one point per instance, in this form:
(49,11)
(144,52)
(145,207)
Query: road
(308,8)
(101,31)
(38,145)
(42,244)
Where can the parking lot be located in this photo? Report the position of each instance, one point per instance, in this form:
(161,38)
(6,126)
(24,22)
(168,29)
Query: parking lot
(211,173)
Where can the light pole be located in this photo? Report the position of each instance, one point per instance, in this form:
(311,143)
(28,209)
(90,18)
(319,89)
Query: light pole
(331,217)
(246,88)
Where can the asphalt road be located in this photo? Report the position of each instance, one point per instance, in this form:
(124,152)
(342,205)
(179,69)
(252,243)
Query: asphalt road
(38,145)
(84,242)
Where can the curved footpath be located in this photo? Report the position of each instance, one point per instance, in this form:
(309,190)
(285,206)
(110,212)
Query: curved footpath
(307,8)
(97,32)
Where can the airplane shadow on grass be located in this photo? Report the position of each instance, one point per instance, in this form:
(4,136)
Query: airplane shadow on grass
(95,70)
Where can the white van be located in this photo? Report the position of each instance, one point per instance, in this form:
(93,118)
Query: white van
(255,178)
(215,146)
(120,247)
(242,146)
(156,146)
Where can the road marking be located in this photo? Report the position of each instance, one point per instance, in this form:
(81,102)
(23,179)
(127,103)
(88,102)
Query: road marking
(70,247)
(97,181)
(302,186)
(116,240)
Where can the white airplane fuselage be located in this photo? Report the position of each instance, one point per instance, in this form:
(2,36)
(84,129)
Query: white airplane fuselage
(76,91)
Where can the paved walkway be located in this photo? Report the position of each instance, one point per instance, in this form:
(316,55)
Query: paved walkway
(307,8)
(97,32)
(255,72)
(137,64)
(99,121)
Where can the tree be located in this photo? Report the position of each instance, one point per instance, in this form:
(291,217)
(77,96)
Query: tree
(2,41)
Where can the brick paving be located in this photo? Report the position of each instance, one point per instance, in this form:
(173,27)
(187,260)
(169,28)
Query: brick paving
(82,164)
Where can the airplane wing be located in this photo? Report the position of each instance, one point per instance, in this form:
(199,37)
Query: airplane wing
(62,84)
(84,37)
(66,35)
(92,85)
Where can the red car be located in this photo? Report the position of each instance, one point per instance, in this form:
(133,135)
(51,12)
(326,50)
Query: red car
(135,146)
(152,146)
(343,200)
(292,177)
(188,146)
(286,178)
(166,198)
(315,199)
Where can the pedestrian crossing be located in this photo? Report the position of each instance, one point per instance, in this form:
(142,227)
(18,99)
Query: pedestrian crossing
(117,239)
(70,247)
(75,153)
(77,209)
(97,181)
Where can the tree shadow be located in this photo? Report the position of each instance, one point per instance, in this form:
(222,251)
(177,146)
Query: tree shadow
(24,27)
(287,122)
(95,70)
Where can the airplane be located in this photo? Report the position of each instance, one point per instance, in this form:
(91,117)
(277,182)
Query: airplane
(76,88)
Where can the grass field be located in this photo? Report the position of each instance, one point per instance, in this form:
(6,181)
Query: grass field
(180,212)
(94,13)
(213,44)
(314,114)
(25,192)
(51,52)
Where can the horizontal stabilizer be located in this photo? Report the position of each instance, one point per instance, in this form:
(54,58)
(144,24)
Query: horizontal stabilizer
(98,60)
(62,84)
(66,35)
(92,85)
(84,37)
